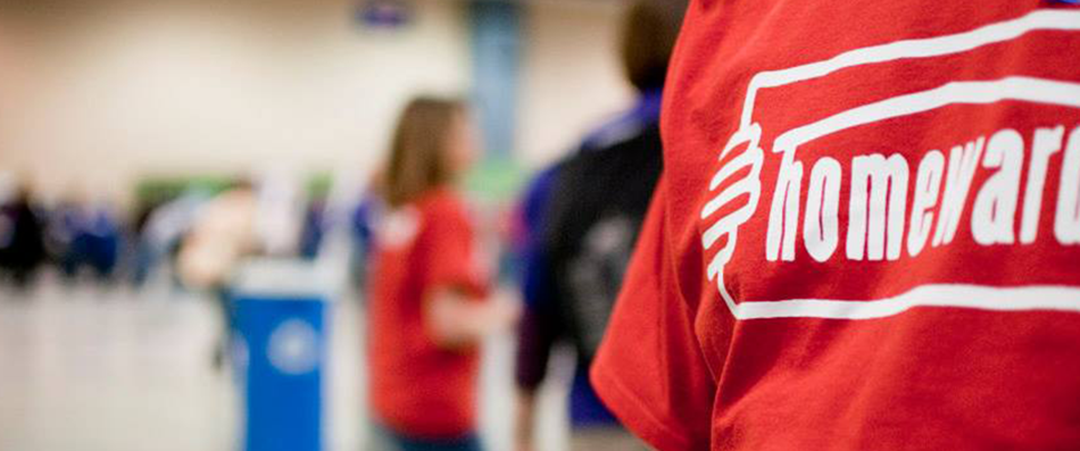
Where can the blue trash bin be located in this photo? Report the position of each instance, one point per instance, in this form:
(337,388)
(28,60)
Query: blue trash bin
(281,349)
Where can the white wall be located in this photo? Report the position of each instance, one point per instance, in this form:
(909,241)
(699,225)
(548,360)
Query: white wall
(191,88)
(572,78)
(118,90)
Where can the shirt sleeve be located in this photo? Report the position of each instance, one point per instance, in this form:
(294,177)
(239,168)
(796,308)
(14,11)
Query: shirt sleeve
(649,370)
(539,326)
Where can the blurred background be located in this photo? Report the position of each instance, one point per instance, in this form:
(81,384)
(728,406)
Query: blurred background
(120,119)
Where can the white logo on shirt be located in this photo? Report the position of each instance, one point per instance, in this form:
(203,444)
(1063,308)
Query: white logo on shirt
(877,214)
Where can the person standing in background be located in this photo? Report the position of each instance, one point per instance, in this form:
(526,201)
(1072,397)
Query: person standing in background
(222,235)
(362,222)
(86,236)
(429,311)
(582,218)
(22,239)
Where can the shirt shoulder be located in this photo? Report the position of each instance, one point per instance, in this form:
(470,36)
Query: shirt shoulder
(442,205)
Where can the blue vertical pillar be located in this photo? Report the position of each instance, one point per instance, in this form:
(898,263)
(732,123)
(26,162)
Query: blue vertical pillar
(496,48)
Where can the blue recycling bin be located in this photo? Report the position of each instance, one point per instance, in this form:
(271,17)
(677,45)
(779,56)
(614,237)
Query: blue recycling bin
(282,347)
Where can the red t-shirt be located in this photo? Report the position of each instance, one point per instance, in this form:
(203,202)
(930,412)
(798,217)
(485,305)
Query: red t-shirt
(867,236)
(417,387)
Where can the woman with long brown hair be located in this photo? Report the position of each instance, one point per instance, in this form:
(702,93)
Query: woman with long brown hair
(428,301)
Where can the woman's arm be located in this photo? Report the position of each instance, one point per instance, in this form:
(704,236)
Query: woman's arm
(456,321)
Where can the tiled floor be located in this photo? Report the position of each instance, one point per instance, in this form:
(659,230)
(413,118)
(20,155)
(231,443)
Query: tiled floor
(94,369)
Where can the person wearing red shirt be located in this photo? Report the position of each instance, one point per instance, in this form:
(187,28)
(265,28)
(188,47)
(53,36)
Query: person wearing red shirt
(867,234)
(428,312)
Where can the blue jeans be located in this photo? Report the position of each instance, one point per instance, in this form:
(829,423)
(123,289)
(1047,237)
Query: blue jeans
(387,440)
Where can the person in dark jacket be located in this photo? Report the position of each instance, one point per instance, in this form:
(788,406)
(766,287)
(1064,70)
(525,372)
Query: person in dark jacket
(582,218)
(22,245)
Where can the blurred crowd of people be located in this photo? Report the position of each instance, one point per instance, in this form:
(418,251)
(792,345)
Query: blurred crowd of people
(79,239)
(85,240)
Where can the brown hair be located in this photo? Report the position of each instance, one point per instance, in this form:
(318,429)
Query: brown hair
(648,37)
(418,160)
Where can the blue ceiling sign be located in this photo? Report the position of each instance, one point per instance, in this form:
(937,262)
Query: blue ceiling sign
(384,14)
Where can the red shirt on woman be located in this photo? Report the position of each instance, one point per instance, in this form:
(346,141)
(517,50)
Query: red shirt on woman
(419,388)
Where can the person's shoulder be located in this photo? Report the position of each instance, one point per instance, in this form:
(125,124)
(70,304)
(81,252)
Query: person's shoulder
(616,130)
(443,204)
(645,143)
